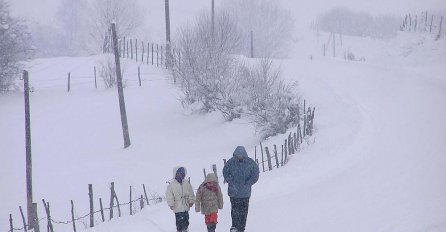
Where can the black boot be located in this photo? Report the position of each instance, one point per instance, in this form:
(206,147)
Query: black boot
(211,227)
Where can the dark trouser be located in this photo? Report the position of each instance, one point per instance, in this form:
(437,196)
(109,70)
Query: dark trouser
(212,227)
(182,220)
(239,212)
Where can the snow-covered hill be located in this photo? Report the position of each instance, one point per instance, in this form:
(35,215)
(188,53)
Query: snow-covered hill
(376,162)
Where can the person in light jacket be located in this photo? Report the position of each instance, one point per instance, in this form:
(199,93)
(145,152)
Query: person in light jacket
(209,200)
(180,197)
(241,173)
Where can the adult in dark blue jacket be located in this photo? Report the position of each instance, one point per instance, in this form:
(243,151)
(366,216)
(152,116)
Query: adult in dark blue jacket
(241,173)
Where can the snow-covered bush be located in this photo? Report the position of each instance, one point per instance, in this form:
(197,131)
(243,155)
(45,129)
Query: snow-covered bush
(272,104)
(271,24)
(107,71)
(15,46)
(348,22)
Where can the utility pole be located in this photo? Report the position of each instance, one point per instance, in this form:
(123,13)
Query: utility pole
(125,128)
(168,48)
(29,179)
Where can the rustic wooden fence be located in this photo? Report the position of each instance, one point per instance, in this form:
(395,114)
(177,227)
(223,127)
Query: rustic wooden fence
(134,203)
(424,22)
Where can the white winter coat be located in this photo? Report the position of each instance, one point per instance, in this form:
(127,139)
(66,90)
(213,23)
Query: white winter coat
(179,195)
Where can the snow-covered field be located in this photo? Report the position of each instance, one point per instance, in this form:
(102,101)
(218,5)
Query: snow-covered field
(376,162)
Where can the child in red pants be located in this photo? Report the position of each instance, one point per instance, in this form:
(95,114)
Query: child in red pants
(209,200)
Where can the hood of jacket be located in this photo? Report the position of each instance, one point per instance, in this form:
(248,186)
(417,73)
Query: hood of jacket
(210,178)
(240,151)
(175,169)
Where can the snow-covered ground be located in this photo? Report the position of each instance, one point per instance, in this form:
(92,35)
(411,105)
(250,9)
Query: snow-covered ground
(376,162)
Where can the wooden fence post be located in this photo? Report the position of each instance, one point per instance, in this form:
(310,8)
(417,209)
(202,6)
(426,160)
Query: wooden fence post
(162,55)
(131,213)
(131,49)
(145,194)
(275,154)
(69,81)
(268,156)
(11,226)
(204,173)
(439,31)
(90,195)
(148,52)
(136,50)
(95,79)
(214,168)
(123,48)
(416,23)
(72,216)
(432,20)
(112,197)
(23,219)
(127,50)
(102,210)
(281,162)
(263,161)
(35,218)
(28,150)
(142,54)
(157,55)
(139,76)
(286,151)
(299,130)
(141,202)
(48,215)
(425,22)
(125,128)
(152,53)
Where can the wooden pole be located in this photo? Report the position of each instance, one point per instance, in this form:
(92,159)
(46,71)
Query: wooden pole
(112,197)
(123,48)
(48,215)
(268,156)
(439,31)
(136,50)
(11,226)
(281,162)
(204,173)
(127,50)
(34,218)
(125,128)
(334,44)
(263,161)
(69,81)
(148,53)
(95,78)
(162,56)
(141,202)
(102,210)
(139,76)
(142,54)
(276,156)
(252,44)
(152,53)
(72,216)
(90,195)
(131,49)
(29,185)
(425,22)
(286,151)
(145,194)
(432,20)
(157,56)
(214,169)
(168,45)
(131,213)
(23,219)
(213,21)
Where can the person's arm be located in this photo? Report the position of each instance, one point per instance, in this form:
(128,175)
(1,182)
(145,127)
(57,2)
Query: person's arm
(198,200)
(226,172)
(254,177)
(170,198)
(191,196)
(220,198)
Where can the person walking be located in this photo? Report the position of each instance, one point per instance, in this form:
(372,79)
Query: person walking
(180,197)
(209,200)
(241,173)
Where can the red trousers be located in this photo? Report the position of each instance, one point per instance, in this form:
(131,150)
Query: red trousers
(211,219)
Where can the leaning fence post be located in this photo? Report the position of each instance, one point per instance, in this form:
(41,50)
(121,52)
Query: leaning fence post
(275,154)
(72,216)
(204,173)
(23,219)
(48,215)
(11,226)
(145,194)
(286,151)
(268,156)
(131,213)
(90,195)
(102,210)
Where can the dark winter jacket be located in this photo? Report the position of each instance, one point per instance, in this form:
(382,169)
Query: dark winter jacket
(241,172)
(209,198)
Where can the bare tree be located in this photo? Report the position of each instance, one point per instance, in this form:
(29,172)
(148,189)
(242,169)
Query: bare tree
(125,14)
(271,24)
(15,46)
